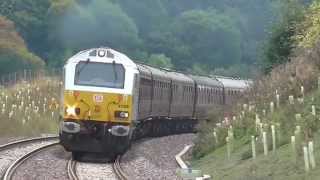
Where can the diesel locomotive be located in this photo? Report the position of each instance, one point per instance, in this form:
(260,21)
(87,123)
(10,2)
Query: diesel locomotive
(108,100)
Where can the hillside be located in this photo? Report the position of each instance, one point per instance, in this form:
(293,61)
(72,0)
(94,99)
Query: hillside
(287,98)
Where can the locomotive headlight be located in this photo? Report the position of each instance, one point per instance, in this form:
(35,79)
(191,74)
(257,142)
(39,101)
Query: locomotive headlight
(121,114)
(72,111)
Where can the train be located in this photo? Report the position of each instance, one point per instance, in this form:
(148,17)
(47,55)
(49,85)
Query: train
(108,100)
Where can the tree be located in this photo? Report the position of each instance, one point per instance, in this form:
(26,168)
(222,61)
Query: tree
(30,20)
(96,23)
(14,55)
(210,37)
(281,44)
(148,15)
(308,30)
(160,60)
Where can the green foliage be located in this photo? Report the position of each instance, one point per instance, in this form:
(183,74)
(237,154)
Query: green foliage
(237,70)
(212,33)
(30,19)
(160,60)
(148,15)
(14,55)
(281,44)
(308,31)
(210,37)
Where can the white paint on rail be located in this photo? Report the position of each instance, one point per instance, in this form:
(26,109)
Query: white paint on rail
(184,166)
(179,159)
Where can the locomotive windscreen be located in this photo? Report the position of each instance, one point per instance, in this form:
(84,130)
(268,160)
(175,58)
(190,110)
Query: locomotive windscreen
(108,75)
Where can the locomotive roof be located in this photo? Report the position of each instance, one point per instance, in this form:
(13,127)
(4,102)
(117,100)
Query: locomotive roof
(234,83)
(102,54)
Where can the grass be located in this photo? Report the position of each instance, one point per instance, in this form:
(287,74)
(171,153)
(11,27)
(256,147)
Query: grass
(278,165)
(30,108)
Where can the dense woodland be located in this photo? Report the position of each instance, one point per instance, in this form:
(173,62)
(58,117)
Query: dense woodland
(207,36)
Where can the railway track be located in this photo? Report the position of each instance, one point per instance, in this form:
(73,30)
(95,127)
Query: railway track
(71,168)
(13,166)
(25,141)
(81,170)
(116,166)
(17,163)
(26,149)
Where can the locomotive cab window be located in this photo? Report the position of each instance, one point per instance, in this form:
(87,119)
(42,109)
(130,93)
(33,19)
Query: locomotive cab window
(108,75)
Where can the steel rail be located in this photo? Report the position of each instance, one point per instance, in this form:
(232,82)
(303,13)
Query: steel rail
(71,169)
(116,166)
(23,141)
(13,167)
